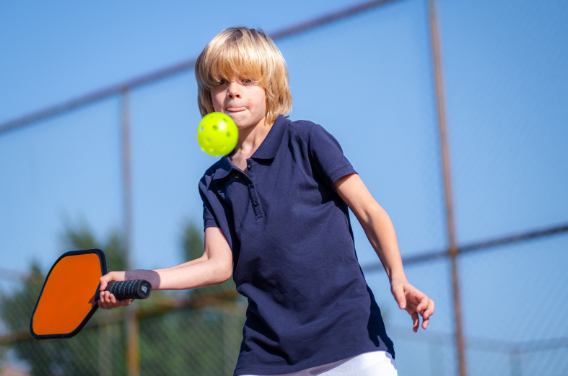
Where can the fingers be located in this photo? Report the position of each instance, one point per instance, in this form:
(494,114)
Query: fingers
(105,300)
(418,304)
(108,301)
(398,293)
(429,311)
(105,279)
(102,301)
(111,276)
(422,302)
(415,322)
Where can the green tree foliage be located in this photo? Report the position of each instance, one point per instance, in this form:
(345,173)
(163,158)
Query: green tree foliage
(81,354)
(81,237)
(192,341)
(189,341)
(192,242)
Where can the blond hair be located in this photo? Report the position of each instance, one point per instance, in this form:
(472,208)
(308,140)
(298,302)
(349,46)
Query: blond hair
(249,53)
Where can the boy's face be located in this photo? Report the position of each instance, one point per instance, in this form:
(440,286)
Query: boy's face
(241,99)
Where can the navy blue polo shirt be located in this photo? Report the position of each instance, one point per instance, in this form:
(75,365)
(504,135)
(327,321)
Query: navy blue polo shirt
(293,252)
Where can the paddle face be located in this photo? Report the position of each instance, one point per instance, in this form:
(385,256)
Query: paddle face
(68,298)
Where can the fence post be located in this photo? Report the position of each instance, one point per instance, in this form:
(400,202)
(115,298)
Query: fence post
(133,356)
(515,361)
(452,251)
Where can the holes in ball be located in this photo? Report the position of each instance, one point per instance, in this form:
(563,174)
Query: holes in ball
(228,134)
(201,129)
(215,127)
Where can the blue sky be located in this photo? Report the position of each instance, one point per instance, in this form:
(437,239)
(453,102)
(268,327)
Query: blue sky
(366,78)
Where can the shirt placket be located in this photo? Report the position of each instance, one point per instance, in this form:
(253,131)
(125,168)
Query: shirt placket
(253,189)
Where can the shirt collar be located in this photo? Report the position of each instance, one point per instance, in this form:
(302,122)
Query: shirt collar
(266,150)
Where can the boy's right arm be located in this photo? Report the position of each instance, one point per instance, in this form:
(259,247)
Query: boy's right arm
(213,268)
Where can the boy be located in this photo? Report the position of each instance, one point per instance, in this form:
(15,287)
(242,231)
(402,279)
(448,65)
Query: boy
(276,217)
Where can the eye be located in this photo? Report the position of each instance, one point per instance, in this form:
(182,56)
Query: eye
(222,82)
(247,81)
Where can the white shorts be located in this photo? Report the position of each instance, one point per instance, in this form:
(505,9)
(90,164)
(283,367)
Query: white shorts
(376,363)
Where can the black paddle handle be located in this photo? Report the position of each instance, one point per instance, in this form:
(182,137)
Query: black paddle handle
(136,289)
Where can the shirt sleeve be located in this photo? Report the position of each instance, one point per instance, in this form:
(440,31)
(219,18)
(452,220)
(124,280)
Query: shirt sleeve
(209,219)
(328,160)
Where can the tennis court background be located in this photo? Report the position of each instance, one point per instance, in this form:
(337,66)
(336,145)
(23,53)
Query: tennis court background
(506,108)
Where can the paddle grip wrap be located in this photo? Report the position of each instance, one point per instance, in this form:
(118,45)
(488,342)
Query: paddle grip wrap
(136,289)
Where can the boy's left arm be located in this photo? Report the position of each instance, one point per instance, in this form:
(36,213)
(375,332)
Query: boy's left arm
(380,232)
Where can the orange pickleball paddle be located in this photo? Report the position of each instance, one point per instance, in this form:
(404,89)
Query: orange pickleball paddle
(70,294)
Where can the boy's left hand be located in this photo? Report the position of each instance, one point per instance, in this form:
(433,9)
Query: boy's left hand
(413,301)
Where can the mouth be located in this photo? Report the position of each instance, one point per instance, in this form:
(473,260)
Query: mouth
(236,109)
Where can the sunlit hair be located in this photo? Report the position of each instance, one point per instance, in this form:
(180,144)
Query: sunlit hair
(246,53)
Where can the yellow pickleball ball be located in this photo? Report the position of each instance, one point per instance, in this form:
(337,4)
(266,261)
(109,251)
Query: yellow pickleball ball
(217,134)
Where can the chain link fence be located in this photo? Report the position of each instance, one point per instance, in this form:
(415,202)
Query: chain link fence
(504,79)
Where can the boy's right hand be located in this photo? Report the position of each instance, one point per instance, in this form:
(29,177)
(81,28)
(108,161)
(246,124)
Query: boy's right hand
(107,300)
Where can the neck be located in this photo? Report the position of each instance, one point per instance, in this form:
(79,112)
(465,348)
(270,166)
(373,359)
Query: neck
(251,137)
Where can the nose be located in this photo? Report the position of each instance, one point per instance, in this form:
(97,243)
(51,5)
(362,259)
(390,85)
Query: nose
(234,90)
